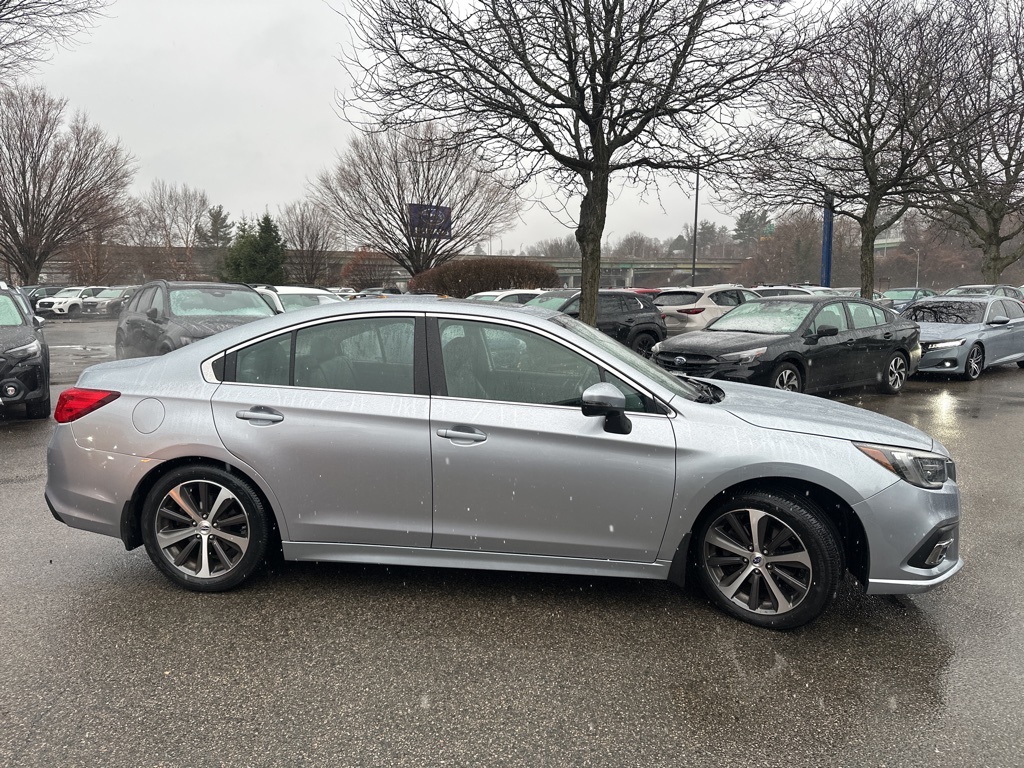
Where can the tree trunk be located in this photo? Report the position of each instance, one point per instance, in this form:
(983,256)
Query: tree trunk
(593,211)
(867,251)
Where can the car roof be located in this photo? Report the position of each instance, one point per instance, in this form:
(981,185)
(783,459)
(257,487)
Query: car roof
(812,298)
(971,297)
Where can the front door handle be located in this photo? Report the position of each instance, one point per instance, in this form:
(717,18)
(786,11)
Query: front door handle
(260,415)
(462,433)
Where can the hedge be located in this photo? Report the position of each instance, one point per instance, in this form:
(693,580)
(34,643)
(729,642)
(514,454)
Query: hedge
(465,277)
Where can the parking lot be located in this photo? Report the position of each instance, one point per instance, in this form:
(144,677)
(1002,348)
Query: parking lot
(105,663)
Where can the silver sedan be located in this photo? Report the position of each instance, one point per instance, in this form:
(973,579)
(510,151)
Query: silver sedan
(438,432)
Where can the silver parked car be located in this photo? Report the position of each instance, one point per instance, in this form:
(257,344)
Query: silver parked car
(426,431)
(967,334)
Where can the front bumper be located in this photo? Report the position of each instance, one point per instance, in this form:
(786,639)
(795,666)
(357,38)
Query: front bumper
(23,381)
(707,367)
(949,360)
(913,537)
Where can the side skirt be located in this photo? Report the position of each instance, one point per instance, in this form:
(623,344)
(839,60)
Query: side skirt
(490,561)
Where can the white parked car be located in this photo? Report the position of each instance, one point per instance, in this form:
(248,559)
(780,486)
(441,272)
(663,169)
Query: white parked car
(691,309)
(67,303)
(287,298)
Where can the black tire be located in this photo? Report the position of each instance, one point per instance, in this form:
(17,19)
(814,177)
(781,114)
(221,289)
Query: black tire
(205,528)
(642,343)
(975,363)
(786,376)
(38,409)
(74,310)
(119,350)
(791,581)
(1020,363)
(894,376)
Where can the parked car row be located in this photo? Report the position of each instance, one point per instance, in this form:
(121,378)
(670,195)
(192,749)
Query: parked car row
(24,356)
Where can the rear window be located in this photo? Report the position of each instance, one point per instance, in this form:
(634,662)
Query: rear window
(680,299)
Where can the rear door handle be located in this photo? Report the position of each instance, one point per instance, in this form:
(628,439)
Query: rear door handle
(462,433)
(260,415)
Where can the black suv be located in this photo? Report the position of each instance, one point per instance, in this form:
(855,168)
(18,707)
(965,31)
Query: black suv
(24,357)
(164,315)
(626,316)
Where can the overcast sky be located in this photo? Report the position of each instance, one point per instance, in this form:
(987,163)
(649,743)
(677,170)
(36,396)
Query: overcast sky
(236,97)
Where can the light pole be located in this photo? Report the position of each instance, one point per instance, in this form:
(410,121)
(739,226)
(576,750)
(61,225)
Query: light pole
(917,272)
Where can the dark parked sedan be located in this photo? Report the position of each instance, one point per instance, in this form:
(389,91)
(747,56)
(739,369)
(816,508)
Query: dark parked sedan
(801,344)
(626,316)
(164,315)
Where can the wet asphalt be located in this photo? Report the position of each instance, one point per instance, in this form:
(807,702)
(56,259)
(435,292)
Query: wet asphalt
(104,663)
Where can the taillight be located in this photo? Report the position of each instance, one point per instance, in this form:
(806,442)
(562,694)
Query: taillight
(75,403)
(692,311)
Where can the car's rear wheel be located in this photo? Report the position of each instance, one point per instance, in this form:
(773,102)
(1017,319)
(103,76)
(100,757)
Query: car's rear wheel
(769,559)
(119,350)
(205,528)
(975,363)
(643,343)
(787,376)
(895,375)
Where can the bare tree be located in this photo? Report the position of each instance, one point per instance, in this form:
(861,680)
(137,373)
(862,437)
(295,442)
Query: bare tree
(859,119)
(367,269)
(578,91)
(29,30)
(172,216)
(370,188)
(59,181)
(979,177)
(311,234)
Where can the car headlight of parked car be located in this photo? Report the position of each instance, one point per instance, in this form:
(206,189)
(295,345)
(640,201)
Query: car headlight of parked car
(930,345)
(28,350)
(746,356)
(921,468)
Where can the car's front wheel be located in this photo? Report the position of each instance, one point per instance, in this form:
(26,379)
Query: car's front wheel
(975,363)
(786,376)
(769,559)
(643,343)
(895,375)
(205,528)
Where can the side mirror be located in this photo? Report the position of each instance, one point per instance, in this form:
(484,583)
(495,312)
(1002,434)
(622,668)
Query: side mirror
(38,321)
(999,320)
(152,314)
(823,332)
(604,399)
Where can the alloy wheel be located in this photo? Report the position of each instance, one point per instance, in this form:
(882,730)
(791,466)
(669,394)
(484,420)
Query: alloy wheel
(202,529)
(788,380)
(897,373)
(975,358)
(757,561)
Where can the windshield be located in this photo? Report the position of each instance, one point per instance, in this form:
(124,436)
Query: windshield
(292,301)
(777,316)
(625,355)
(898,295)
(964,290)
(484,297)
(9,314)
(110,293)
(211,302)
(952,312)
(553,300)
(68,292)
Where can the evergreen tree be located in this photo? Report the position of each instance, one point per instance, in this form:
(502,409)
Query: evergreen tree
(256,255)
(217,232)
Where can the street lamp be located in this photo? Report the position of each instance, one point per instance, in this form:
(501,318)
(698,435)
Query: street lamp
(917,273)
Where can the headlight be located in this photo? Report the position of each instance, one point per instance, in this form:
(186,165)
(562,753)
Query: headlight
(186,340)
(942,344)
(656,348)
(746,356)
(921,468)
(29,350)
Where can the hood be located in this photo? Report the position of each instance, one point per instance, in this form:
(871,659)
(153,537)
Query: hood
(790,412)
(15,336)
(719,342)
(942,331)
